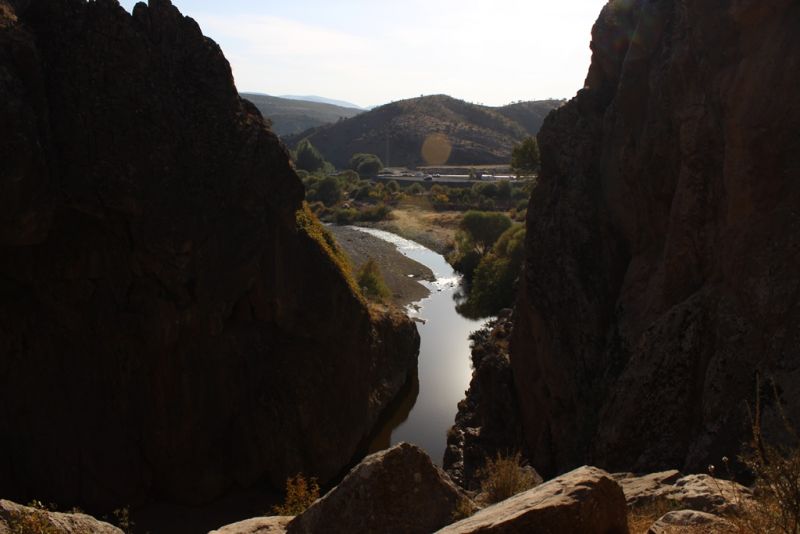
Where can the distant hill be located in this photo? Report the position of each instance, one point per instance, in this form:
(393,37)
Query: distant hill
(291,116)
(323,100)
(397,131)
(530,114)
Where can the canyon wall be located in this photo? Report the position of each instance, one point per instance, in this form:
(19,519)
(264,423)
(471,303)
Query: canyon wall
(663,241)
(172,322)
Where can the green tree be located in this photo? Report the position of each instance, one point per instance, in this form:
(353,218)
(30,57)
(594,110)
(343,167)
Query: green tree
(329,191)
(308,158)
(366,164)
(478,231)
(493,282)
(525,156)
(483,228)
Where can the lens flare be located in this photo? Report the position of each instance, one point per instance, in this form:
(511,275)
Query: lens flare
(436,149)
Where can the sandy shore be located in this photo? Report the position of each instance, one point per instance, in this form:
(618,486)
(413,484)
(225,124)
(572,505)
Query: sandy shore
(400,272)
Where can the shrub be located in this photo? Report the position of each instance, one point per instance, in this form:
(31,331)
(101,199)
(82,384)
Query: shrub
(777,472)
(300,494)
(415,189)
(504,477)
(370,280)
(345,215)
(375,213)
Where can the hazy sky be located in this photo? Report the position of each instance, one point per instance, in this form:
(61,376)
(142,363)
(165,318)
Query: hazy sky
(372,52)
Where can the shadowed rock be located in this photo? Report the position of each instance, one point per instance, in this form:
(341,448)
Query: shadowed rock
(396,491)
(172,322)
(662,242)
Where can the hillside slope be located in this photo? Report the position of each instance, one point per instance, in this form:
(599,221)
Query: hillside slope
(663,242)
(396,132)
(172,323)
(291,116)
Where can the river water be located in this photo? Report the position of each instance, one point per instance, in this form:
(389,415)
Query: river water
(428,407)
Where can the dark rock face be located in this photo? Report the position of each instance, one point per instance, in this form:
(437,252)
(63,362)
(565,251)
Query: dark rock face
(171,321)
(396,491)
(488,420)
(663,241)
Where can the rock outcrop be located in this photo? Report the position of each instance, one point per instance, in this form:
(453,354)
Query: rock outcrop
(18,519)
(663,241)
(172,322)
(586,500)
(703,493)
(396,491)
(488,421)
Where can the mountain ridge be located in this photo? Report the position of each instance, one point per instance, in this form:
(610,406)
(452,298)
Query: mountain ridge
(397,131)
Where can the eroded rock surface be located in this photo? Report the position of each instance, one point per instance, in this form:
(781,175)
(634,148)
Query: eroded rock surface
(171,321)
(694,492)
(663,241)
(585,500)
(396,491)
(692,522)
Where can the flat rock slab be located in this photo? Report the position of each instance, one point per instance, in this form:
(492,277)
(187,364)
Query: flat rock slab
(15,518)
(691,522)
(696,492)
(587,500)
(258,525)
(396,491)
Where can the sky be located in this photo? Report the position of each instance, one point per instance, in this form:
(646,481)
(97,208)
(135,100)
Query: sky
(491,52)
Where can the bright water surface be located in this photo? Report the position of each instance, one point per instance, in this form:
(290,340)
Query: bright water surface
(429,405)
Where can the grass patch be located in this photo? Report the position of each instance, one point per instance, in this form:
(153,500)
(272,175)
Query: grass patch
(308,223)
(505,476)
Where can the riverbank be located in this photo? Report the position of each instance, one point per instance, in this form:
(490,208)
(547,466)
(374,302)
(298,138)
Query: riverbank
(416,220)
(401,273)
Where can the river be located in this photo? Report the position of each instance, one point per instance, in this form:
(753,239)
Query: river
(428,407)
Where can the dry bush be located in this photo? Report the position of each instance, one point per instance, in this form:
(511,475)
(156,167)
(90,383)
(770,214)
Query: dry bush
(300,494)
(504,477)
(35,521)
(776,508)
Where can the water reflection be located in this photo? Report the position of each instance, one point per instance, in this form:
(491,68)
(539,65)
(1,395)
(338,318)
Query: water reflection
(444,364)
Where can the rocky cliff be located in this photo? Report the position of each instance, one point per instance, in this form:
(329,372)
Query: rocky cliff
(663,240)
(172,322)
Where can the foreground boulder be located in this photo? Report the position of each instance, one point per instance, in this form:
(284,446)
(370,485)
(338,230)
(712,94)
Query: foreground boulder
(18,519)
(661,270)
(586,500)
(694,492)
(172,321)
(396,491)
(275,524)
